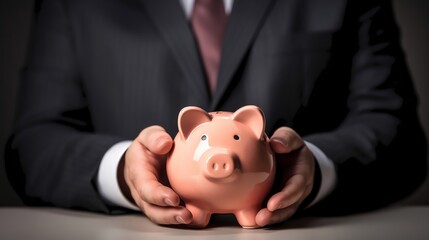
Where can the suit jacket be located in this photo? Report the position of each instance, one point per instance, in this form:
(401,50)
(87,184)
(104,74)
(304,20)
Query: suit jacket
(102,70)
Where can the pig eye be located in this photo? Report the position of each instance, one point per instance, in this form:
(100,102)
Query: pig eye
(204,137)
(236,137)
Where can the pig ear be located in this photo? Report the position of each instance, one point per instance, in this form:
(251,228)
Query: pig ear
(190,118)
(253,117)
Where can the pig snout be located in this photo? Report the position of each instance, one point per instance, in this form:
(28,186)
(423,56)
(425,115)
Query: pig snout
(219,166)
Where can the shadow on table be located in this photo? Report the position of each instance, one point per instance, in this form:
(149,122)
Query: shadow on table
(229,221)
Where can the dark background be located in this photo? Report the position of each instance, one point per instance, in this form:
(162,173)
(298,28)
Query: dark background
(17,17)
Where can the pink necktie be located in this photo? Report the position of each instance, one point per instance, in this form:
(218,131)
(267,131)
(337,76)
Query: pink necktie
(208,22)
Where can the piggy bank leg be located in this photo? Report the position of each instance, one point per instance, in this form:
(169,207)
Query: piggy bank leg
(246,218)
(200,217)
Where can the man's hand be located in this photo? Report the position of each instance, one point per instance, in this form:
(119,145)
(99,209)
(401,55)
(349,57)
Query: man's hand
(144,168)
(295,170)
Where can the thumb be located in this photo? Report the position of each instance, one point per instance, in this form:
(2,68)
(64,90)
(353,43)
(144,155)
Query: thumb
(285,140)
(156,140)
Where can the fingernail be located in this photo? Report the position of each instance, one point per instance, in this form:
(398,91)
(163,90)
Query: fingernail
(163,144)
(180,220)
(161,141)
(169,202)
(279,141)
(280,206)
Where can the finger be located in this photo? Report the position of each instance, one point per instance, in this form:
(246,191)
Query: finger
(156,140)
(266,217)
(146,186)
(169,215)
(166,215)
(285,140)
(291,193)
(162,214)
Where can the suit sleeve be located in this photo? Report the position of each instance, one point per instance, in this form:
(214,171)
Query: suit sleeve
(379,149)
(54,154)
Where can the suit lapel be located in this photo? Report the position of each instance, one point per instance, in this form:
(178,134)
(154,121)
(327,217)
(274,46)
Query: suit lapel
(244,21)
(171,22)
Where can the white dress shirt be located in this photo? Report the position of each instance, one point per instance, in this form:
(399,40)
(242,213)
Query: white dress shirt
(107,182)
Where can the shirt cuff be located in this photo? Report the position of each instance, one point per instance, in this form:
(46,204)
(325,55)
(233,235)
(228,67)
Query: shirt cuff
(107,179)
(328,173)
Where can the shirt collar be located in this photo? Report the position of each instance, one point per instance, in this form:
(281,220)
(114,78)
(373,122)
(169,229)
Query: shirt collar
(188,5)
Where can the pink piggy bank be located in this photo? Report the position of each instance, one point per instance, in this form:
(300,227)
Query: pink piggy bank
(221,163)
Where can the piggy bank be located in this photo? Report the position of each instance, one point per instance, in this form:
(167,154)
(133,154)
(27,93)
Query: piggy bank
(221,162)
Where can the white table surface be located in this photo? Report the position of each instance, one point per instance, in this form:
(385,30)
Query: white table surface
(404,223)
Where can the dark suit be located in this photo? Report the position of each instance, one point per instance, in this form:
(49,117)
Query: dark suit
(102,70)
